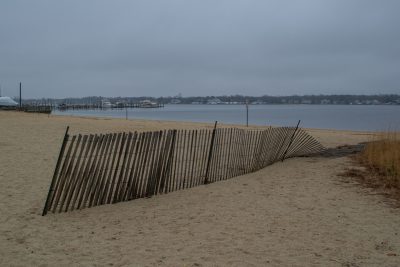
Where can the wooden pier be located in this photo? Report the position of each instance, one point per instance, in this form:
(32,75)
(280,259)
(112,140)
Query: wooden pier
(102,107)
(46,109)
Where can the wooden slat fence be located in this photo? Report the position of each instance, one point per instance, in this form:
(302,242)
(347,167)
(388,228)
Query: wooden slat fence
(99,169)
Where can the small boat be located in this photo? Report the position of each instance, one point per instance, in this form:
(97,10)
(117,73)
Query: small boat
(106,104)
(148,104)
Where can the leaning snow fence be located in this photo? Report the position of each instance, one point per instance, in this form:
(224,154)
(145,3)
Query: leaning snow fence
(98,169)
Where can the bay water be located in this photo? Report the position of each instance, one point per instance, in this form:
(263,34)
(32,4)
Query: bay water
(341,117)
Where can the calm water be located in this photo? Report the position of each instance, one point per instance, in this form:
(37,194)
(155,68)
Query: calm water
(344,117)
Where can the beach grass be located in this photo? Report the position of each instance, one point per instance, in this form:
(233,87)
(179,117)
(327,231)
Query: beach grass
(381,157)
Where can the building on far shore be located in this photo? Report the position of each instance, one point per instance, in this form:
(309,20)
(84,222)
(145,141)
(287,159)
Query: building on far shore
(7,103)
(214,101)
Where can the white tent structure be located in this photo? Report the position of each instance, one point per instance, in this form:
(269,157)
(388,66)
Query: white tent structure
(6,101)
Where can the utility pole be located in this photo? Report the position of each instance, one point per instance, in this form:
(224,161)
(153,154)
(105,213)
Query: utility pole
(20,95)
(247,113)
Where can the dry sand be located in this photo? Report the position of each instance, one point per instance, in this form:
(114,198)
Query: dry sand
(295,213)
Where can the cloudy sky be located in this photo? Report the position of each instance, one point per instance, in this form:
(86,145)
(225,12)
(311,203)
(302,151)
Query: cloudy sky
(199,47)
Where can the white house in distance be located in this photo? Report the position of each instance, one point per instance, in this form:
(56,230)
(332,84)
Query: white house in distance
(7,102)
(214,101)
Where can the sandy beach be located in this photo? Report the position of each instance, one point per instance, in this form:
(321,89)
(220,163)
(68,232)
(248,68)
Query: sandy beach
(294,213)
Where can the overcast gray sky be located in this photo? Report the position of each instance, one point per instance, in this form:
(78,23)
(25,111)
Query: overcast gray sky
(203,47)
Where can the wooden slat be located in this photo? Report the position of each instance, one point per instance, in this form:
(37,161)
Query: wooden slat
(108,173)
(121,176)
(218,155)
(268,150)
(240,142)
(183,162)
(153,176)
(131,192)
(100,186)
(75,173)
(177,176)
(181,175)
(162,170)
(201,157)
(143,177)
(140,169)
(114,148)
(207,142)
(89,169)
(253,139)
(225,157)
(214,156)
(166,170)
(79,167)
(96,174)
(130,168)
(84,170)
(99,182)
(93,175)
(64,174)
(171,164)
(228,160)
(234,151)
(209,157)
(217,158)
(116,169)
(172,178)
(276,142)
(50,194)
(157,163)
(151,164)
(163,158)
(191,157)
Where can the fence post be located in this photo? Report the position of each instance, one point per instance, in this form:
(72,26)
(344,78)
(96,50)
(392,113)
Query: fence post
(291,141)
(51,189)
(210,153)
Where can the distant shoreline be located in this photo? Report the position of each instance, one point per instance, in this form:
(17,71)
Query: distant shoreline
(381,99)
